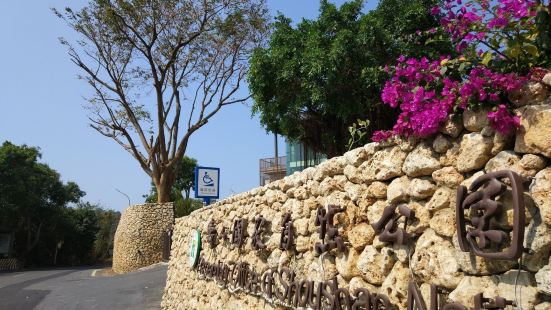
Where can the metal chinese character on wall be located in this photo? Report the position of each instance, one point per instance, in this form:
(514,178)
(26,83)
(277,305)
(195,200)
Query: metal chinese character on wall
(224,235)
(478,237)
(239,230)
(324,219)
(387,226)
(416,301)
(498,303)
(286,241)
(259,224)
(212,235)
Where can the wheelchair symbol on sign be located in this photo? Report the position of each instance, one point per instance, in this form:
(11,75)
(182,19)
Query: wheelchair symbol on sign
(207,180)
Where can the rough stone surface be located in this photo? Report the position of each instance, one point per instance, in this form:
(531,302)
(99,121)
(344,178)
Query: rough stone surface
(375,265)
(420,174)
(503,160)
(346,264)
(543,279)
(533,135)
(474,153)
(440,199)
(383,165)
(526,287)
(451,155)
(377,190)
(540,189)
(537,238)
(421,189)
(441,144)
(475,265)
(532,93)
(502,142)
(452,127)
(529,165)
(396,283)
(447,176)
(356,157)
(543,306)
(421,161)
(359,282)
(470,286)
(475,120)
(434,260)
(422,217)
(139,237)
(546,80)
(361,235)
(397,191)
(443,222)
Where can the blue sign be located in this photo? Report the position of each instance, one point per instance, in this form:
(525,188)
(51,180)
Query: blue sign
(207,183)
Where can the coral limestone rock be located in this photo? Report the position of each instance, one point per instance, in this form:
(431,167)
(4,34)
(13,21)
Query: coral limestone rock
(434,261)
(475,120)
(383,165)
(421,161)
(421,189)
(397,191)
(534,134)
(540,189)
(475,152)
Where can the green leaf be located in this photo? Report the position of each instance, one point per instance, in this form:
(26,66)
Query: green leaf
(486,58)
(531,49)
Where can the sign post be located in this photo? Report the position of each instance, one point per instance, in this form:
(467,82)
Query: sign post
(207,183)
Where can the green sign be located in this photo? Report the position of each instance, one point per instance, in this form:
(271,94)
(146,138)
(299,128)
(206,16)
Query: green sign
(194,248)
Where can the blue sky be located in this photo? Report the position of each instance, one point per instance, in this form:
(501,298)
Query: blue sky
(41,104)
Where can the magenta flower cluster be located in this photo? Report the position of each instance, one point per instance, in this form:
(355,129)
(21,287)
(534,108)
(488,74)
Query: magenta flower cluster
(426,96)
(473,20)
(502,120)
(423,95)
(382,135)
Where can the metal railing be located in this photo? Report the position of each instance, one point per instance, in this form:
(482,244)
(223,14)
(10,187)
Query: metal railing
(272,169)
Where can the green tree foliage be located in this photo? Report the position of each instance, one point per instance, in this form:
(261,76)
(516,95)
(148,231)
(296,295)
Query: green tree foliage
(184,206)
(31,195)
(185,175)
(34,205)
(184,182)
(87,234)
(76,234)
(315,80)
(108,222)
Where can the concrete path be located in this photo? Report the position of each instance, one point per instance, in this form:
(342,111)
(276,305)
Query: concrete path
(82,288)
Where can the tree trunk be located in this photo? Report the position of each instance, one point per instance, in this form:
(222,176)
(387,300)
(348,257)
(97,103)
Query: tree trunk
(164,187)
(32,241)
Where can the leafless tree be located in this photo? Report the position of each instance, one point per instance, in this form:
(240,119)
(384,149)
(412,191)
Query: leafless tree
(161,69)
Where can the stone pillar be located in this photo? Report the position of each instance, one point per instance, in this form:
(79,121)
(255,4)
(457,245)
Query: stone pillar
(139,236)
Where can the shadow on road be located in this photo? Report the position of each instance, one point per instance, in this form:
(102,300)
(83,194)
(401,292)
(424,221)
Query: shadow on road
(16,297)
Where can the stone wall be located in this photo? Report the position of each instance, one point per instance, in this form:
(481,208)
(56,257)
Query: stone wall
(139,236)
(422,175)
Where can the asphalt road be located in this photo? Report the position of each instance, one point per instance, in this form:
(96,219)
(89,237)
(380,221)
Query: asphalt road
(76,288)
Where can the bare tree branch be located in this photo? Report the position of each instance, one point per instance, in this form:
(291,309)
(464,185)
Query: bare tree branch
(145,58)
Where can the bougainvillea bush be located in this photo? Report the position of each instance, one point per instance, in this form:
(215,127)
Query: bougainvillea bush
(500,44)
(509,35)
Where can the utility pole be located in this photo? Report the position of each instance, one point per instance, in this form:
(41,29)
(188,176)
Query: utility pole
(276,153)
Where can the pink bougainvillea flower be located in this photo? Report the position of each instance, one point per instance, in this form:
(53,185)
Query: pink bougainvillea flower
(426,97)
(502,120)
(381,135)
